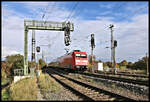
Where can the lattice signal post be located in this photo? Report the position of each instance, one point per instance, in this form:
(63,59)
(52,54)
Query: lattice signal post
(44,25)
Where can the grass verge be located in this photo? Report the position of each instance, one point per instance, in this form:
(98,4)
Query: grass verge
(25,89)
(48,84)
(5,95)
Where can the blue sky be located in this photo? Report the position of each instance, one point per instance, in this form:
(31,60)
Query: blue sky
(130,20)
(90,10)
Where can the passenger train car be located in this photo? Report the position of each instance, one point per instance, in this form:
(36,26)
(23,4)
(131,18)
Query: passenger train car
(75,60)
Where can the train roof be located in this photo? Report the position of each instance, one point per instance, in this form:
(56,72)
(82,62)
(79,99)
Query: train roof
(76,51)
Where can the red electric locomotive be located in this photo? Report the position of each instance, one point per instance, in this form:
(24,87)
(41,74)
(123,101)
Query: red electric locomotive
(75,60)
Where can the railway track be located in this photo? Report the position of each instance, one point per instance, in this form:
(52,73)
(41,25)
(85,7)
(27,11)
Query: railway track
(86,91)
(120,79)
(131,81)
(125,74)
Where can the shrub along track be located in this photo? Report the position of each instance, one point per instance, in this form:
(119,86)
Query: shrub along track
(5,85)
(85,91)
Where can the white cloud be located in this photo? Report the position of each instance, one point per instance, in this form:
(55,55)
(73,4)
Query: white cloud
(133,6)
(8,51)
(107,6)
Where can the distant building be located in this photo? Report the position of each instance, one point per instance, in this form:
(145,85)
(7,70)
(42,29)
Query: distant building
(98,66)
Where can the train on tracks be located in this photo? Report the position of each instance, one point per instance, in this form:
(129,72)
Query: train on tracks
(75,60)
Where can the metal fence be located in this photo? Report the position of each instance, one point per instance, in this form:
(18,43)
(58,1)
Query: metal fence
(18,72)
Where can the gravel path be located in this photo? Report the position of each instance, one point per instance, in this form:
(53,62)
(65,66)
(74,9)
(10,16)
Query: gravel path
(39,95)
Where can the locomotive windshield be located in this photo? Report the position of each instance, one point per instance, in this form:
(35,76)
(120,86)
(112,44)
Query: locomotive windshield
(81,56)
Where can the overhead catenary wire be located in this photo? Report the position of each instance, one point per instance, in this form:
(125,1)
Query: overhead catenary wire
(51,10)
(137,11)
(130,14)
(106,26)
(72,11)
(44,14)
(78,13)
(45,11)
(119,10)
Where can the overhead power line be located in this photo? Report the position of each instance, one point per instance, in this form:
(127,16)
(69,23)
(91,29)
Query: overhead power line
(78,13)
(45,11)
(51,10)
(135,12)
(72,11)
(44,14)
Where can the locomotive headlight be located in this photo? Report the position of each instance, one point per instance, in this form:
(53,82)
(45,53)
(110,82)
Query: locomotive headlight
(77,60)
(77,66)
(84,60)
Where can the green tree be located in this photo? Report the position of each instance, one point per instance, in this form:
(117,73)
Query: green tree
(3,74)
(13,58)
(117,65)
(42,63)
(105,65)
(6,67)
(130,64)
(15,61)
(124,63)
(32,64)
(109,64)
(141,64)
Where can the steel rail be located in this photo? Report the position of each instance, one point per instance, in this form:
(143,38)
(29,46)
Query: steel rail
(139,82)
(117,96)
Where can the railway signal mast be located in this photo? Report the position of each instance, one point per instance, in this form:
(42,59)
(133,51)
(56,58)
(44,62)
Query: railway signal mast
(92,47)
(113,46)
(38,50)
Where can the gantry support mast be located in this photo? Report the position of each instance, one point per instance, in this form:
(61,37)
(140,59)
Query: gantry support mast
(33,46)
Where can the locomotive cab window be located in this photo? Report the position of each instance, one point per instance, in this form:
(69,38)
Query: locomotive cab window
(77,55)
(81,56)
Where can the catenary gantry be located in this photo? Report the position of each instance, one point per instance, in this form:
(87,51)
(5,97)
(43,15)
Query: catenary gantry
(44,25)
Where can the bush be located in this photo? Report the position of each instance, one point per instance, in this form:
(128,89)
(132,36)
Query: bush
(5,95)
(3,74)
(42,63)
(89,66)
